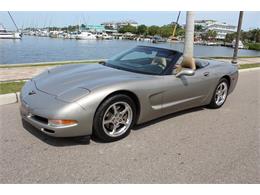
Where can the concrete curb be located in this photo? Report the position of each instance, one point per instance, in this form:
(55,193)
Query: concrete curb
(249,69)
(11,98)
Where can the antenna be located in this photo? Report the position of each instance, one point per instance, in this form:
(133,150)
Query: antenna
(13,20)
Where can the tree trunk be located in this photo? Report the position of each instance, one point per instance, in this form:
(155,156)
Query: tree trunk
(188,61)
(234,60)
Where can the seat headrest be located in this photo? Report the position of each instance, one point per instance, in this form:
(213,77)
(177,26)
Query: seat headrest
(160,61)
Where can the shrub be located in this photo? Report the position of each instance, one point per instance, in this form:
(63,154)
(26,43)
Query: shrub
(254,46)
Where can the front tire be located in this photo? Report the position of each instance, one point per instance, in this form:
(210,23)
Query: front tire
(114,118)
(220,94)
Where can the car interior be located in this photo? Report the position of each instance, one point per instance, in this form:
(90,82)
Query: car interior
(155,61)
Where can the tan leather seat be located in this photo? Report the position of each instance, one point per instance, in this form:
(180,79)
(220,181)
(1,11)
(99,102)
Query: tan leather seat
(161,61)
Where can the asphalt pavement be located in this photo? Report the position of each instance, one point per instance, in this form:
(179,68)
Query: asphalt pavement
(200,145)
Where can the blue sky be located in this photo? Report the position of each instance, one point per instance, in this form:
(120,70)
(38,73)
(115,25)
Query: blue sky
(40,19)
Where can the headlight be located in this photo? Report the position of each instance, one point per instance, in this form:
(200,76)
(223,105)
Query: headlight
(73,94)
(62,123)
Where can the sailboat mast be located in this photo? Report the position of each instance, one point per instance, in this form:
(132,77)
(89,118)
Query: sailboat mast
(176,24)
(13,20)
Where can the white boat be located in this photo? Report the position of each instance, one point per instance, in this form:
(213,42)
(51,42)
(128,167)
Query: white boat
(211,44)
(4,34)
(73,35)
(106,36)
(44,33)
(240,44)
(86,36)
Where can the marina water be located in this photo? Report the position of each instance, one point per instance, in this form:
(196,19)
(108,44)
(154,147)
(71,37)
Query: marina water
(33,49)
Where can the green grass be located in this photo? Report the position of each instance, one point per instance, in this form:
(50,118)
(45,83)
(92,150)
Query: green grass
(49,63)
(245,66)
(11,87)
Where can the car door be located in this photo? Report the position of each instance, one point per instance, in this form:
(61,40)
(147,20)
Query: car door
(185,91)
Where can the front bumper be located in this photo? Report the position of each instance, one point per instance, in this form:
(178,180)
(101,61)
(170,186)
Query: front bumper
(39,107)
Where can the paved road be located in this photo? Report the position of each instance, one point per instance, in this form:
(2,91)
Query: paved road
(197,146)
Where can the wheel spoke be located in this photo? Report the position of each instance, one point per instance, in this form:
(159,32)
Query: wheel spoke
(107,121)
(114,129)
(218,99)
(123,122)
(115,109)
(223,87)
(124,111)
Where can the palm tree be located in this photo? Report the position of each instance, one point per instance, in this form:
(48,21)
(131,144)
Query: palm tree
(188,60)
(211,35)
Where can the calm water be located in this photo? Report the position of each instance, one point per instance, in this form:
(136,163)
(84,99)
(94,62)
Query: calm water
(44,49)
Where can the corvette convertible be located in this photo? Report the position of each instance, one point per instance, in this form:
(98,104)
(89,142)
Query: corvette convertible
(106,99)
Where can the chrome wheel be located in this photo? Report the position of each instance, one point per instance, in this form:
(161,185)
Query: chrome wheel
(117,119)
(221,93)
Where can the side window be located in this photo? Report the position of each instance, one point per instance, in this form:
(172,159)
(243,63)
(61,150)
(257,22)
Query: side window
(178,63)
(179,60)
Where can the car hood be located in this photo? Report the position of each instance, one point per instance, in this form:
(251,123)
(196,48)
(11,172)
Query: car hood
(64,78)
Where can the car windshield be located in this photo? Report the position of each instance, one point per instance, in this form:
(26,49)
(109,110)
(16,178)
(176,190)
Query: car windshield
(141,59)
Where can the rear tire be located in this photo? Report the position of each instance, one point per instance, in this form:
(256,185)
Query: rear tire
(114,118)
(220,94)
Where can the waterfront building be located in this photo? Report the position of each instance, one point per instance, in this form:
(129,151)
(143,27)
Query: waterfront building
(221,28)
(115,25)
(95,27)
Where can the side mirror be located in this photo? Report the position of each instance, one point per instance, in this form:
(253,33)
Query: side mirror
(186,71)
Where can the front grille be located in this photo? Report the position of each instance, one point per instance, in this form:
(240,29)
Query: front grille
(40,119)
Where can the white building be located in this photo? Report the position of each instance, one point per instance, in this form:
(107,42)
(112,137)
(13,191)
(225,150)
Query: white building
(119,24)
(220,27)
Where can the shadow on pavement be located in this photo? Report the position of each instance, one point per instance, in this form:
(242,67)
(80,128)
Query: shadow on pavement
(55,141)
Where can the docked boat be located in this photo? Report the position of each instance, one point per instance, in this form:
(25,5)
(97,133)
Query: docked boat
(240,44)
(73,35)
(158,39)
(105,36)
(4,34)
(86,36)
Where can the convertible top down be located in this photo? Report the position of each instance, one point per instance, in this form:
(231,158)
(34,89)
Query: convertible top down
(107,99)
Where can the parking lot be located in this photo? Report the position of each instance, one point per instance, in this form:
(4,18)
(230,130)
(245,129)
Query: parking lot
(200,145)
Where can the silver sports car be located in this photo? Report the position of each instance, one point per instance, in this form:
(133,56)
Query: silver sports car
(107,99)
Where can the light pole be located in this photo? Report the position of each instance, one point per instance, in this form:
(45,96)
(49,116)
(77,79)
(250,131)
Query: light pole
(234,60)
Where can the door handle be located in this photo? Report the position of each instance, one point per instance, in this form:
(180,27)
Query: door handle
(206,74)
